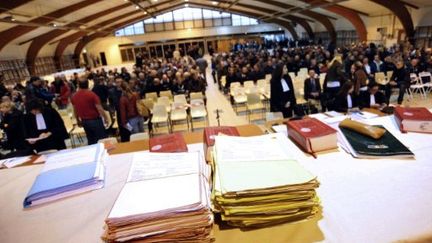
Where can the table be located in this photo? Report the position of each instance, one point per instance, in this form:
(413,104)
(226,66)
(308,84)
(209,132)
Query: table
(362,200)
(190,138)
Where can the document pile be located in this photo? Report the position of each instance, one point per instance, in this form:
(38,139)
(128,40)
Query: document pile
(257,183)
(67,173)
(166,199)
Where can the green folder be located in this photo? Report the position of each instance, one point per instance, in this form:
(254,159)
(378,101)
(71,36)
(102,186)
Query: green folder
(367,147)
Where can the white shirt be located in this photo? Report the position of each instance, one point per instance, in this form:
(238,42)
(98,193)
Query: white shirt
(40,122)
(349,101)
(372,100)
(368,69)
(285,87)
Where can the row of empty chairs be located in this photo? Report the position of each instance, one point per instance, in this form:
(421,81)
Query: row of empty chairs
(169,110)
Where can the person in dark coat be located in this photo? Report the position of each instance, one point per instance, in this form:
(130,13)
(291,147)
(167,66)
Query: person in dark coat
(13,125)
(45,127)
(345,100)
(282,97)
(333,82)
(400,79)
(312,87)
(373,98)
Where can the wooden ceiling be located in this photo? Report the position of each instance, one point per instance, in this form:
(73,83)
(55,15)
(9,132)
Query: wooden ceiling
(61,23)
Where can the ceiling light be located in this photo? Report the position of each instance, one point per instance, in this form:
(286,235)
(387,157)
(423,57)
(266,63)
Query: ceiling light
(214,2)
(136,7)
(145,12)
(186,5)
(54,24)
(186,0)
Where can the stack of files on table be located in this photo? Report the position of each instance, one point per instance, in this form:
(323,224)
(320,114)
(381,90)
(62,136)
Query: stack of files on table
(67,173)
(166,199)
(257,183)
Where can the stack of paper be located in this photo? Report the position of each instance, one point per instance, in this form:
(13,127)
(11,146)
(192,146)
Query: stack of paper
(166,199)
(256,183)
(13,162)
(67,173)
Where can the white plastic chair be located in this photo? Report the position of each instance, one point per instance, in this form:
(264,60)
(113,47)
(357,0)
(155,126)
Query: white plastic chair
(254,103)
(160,116)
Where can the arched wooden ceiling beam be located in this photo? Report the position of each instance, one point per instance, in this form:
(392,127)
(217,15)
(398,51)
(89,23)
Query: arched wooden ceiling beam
(84,41)
(43,39)
(318,17)
(65,41)
(347,13)
(6,6)
(17,31)
(399,9)
(303,22)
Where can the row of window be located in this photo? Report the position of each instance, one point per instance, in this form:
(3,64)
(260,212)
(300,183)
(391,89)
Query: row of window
(185,18)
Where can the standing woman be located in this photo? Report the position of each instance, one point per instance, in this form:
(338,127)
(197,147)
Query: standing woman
(45,127)
(333,82)
(13,125)
(130,118)
(345,99)
(62,91)
(282,97)
(360,79)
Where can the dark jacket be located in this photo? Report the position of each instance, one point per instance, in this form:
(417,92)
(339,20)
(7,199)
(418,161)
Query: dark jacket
(54,124)
(13,126)
(308,88)
(364,99)
(278,98)
(401,76)
(341,103)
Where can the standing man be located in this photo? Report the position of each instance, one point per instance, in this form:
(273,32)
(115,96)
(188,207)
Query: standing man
(202,65)
(89,112)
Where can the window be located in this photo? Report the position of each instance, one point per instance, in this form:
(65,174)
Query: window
(129,30)
(185,18)
(207,14)
(139,28)
(119,32)
(197,13)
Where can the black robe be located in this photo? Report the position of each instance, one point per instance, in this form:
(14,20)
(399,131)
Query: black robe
(54,124)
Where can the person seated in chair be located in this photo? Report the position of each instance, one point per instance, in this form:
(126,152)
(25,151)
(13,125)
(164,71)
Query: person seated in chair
(373,98)
(400,79)
(312,87)
(345,100)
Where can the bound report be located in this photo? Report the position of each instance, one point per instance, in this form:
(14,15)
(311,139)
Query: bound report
(67,173)
(312,135)
(170,143)
(363,146)
(413,119)
(209,137)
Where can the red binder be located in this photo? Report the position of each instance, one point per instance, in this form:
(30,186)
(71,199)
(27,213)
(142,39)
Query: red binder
(312,135)
(413,119)
(170,143)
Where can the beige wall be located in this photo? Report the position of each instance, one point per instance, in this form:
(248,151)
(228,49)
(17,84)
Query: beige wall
(109,45)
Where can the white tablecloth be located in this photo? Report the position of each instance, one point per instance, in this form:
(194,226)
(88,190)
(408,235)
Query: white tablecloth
(363,200)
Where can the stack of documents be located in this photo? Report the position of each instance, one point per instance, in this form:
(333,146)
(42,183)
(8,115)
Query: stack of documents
(166,199)
(13,162)
(67,173)
(257,183)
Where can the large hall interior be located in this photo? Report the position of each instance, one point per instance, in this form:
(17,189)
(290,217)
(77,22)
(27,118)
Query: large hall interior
(215,121)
